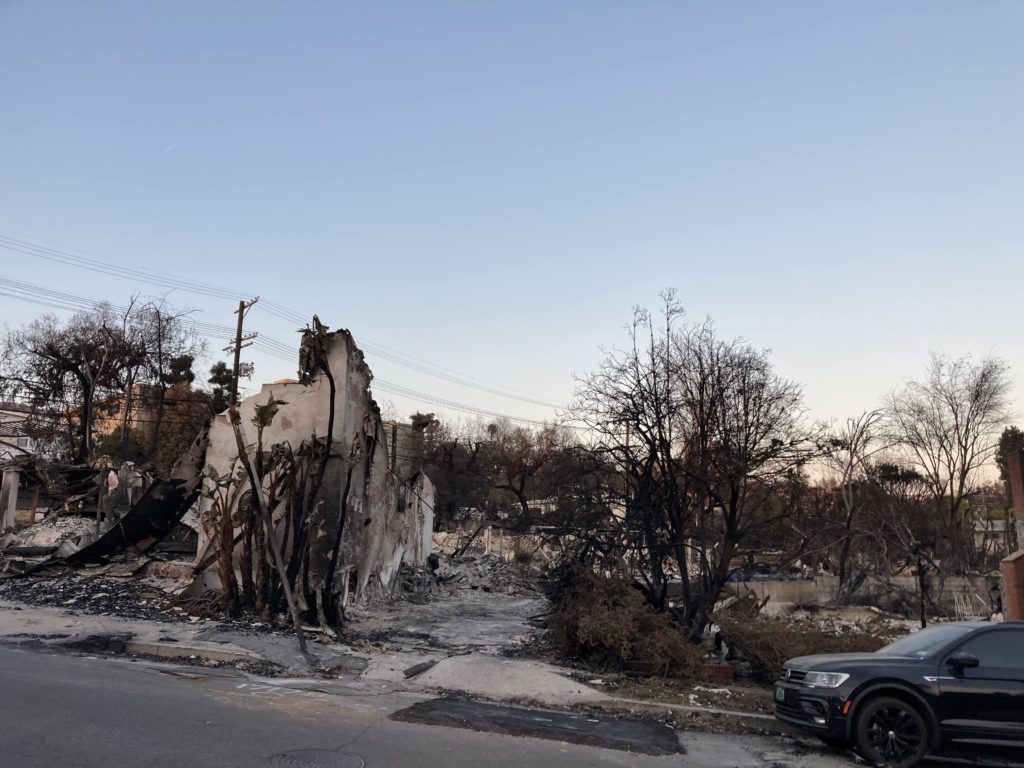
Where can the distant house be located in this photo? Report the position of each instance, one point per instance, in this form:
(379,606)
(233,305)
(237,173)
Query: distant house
(992,519)
(541,507)
(15,437)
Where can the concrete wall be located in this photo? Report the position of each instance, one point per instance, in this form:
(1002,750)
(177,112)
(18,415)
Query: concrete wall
(381,520)
(822,589)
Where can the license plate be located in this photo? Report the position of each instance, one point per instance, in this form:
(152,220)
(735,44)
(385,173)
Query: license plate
(780,694)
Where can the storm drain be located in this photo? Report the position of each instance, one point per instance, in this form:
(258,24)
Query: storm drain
(316,758)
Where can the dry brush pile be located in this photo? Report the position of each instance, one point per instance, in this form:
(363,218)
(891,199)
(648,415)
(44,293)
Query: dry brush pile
(604,621)
(766,644)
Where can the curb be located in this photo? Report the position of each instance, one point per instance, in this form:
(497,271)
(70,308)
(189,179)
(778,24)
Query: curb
(753,720)
(187,652)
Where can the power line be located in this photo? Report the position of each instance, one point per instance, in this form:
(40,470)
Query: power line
(59,300)
(423,366)
(280,351)
(106,268)
(423,397)
(273,347)
(278,310)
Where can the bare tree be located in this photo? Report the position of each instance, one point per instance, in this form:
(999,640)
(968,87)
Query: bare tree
(453,455)
(520,456)
(630,407)
(171,347)
(851,450)
(63,369)
(746,444)
(710,443)
(948,425)
(98,364)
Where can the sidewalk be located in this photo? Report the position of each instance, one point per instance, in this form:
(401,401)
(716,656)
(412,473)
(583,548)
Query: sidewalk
(478,672)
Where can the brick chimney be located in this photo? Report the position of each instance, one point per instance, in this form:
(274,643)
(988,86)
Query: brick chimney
(1012,567)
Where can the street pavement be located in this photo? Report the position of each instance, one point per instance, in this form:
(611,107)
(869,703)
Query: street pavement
(101,712)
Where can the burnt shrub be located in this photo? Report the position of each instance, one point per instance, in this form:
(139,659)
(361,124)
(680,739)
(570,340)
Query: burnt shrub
(604,621)
(766,644)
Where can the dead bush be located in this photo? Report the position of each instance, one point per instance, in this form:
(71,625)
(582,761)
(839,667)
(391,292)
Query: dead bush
(605,622)
(523,552)
(768,643)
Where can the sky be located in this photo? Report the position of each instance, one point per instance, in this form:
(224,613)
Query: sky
(489,187)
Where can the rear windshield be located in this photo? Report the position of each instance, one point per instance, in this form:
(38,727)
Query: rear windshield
(926,641)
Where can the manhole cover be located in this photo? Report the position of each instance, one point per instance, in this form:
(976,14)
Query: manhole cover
(316,758)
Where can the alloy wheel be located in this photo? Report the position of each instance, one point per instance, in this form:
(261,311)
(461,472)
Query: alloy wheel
(892,733)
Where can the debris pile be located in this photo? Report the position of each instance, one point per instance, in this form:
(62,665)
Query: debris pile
(603,621)
(488,573)
(51,487)
(53,531)
(55,536)
(109,591)
(138,588)
(761,645)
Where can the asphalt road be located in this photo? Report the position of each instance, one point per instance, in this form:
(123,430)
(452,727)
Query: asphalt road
(88,712)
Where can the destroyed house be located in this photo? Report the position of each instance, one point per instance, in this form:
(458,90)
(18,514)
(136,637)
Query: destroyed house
(347,533)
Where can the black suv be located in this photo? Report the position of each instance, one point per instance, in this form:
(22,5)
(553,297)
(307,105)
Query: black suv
(949,684)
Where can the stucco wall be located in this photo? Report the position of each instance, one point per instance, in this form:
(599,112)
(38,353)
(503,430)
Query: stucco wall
(381,520)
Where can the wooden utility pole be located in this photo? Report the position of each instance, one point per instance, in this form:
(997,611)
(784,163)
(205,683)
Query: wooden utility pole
(240,341)
(245,340)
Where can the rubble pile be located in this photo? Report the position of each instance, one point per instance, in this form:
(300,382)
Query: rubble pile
(129,589)
(61,488)
(97,593)
(445,576)
(845,621)
(55,536)
(488,573)
(52,531)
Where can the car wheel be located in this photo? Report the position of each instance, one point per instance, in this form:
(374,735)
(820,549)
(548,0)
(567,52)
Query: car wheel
(891,732)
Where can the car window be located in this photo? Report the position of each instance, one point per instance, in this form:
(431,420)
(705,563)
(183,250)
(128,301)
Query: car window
(999,652)
(926,641)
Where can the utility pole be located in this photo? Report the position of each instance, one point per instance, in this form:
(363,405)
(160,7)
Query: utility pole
(240,341)
(255,482)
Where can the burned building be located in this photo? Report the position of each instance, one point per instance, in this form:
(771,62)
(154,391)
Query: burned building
(306,462)
(345,520)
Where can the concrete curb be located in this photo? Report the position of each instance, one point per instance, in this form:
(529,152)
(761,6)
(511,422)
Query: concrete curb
(188,652)
(753,720)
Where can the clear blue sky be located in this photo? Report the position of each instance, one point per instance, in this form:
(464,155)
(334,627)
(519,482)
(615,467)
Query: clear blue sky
(490,186)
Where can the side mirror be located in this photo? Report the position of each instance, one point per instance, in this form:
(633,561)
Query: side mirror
(961,661)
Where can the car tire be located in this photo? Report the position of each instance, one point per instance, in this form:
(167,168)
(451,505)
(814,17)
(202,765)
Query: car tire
(891,732)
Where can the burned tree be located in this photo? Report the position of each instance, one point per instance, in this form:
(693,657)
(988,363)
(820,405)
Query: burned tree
(745,444)
(710,443)
(97,372)
(520,457)
(851,449)
(948,427)
(63,369)
(629,403)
